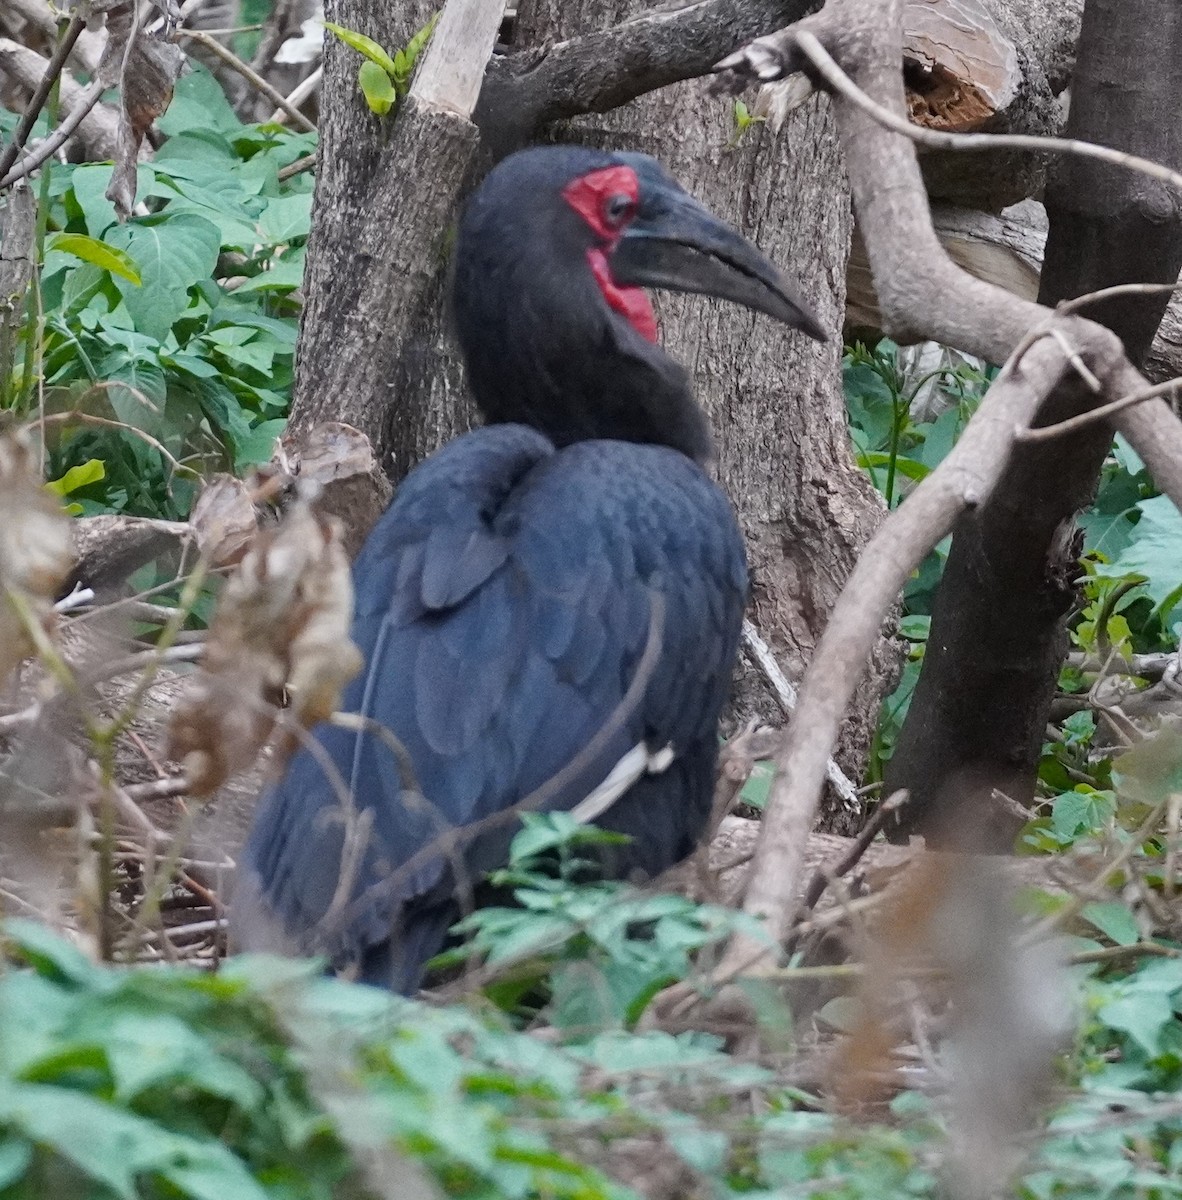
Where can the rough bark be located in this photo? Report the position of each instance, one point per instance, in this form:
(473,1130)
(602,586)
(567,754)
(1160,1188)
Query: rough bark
(1164,360)
(609,63)
(774,399)
(18,228)
(998,632)
(401,383)
(371,343)
(34,23)
(98,132)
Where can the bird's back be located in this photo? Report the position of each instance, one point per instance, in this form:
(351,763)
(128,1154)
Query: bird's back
(504,604)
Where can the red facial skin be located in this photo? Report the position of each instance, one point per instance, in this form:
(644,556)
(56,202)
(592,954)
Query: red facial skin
(591,196)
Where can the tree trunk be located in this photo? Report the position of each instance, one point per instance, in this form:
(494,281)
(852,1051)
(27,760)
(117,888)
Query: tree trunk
(998,634)
(774,399)
(383,369)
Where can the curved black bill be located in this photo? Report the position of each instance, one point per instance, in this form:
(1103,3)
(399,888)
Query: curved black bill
(676,243)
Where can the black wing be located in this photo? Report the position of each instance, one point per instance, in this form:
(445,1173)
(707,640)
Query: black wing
(503,606)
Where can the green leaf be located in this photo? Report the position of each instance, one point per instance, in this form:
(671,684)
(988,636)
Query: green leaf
(49,953)
(377,87)
(258,446)
(404,60)
(910,467)
(759,783)
(198,103)
(1152,769)
(144,1050)
(365,46)
(1154,550)
(286,274)
(915,627)
(77,477)
(88,183)
(1080,727)
(1114,920)
(99,253)
(1143,1016)
(287,217)
(15,1157)
(1082,811)
(173,252)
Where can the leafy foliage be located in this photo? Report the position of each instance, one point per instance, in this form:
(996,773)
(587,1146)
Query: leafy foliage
(178,325)
(583,956)
(265,1080)
(1132,559)
(384,78)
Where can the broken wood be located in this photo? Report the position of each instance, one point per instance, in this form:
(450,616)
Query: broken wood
(109,548)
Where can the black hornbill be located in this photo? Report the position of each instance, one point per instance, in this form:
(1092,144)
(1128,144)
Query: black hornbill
(505,600)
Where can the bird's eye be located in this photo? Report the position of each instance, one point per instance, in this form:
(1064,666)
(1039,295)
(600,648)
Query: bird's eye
(618,208)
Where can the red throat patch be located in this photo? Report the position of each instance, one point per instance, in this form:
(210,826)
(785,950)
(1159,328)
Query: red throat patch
(589,196)
(632,303)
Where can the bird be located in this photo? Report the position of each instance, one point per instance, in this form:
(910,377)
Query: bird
(550,608)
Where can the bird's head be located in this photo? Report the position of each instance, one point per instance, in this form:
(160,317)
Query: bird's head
(555,249)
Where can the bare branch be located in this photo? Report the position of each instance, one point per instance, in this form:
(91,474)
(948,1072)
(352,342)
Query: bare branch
(854,855)
(923,293)
(250,75)
(962,480)
(297,96)
(57,138)
(1044,433)
(600,71)
(53,70)
(761,655)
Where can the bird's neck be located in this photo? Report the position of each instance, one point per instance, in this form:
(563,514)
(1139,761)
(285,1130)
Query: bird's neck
(600,393)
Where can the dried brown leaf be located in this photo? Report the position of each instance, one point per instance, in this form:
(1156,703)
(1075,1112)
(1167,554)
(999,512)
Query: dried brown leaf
(281,630)
(145,70)
(35,549)
(224,520)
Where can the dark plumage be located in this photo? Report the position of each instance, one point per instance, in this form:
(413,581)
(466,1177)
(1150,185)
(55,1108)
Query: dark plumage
(504,599)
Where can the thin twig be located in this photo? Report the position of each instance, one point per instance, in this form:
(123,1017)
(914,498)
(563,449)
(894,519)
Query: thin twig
(1099,883)
(1077,364)
(158,789)
(57,138)
(249,74)
(1044,433)
(1114,292)
(41,93)
(961,481)
(1110,954)
(761,655)
(848,861)
(131,663)
(298,95)
(301,164)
